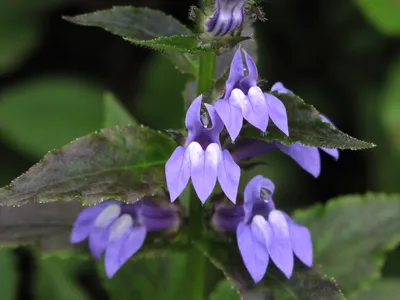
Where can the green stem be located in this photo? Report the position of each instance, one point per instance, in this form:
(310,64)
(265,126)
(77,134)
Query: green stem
(206,72)
(196,263)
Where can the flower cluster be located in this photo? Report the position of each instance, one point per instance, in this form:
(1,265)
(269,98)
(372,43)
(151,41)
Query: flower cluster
(263,232)
(119,229)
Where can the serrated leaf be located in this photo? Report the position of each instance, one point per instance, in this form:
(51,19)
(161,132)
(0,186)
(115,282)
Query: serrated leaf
(351,235)
(149,278)
(306,127)
(115,113)
(120,163)
(145,26)
(176,43)
(305,284)
(384,14)
(8,275)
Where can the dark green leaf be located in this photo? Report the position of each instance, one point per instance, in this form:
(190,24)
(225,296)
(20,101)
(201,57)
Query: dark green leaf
(119,163)
(150,278)
(147,27)
(46,113)
(351,235)
(224,291)
(385,289)
(8,275)
(305,284)
(384,14)
(306,127)
(57,279)
(114,113)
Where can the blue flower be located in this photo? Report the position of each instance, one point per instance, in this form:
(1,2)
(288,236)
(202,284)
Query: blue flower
(263,232)
(228,16)
(243,99)
(119,229)
(202,158)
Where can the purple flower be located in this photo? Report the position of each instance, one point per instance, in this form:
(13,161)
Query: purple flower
(228,16)
(264,232)
(119,229)
(202,158)
(243,99)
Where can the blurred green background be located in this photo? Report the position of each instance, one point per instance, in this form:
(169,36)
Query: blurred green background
(341,56)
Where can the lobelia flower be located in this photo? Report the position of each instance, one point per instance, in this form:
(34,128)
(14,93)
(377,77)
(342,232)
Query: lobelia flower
(243,99)
(263,232)
(119,229)
(202,158)
(228,16)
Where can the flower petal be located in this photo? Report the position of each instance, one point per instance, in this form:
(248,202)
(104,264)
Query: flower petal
(204,165)
(85,221)
(229,175)
(119,232)
(301,242)
(134,242)
(252,189)
(280,248)
(177,172)
(236,73)
(231,116)
(280,88)
(159,216)
(255,109)
(277,112)
(192,121)
(307,157)
(98,240)
(252,245)
(252,68)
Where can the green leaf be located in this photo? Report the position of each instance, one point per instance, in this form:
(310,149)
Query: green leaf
(223,291)
(120,163)
(8,275)
(386,288)
(160,103)
(384,14)
(115,113)
(305,284)
(351,235)
(45,113)
(306,127)
(148,27)
(150,278)
(57,279)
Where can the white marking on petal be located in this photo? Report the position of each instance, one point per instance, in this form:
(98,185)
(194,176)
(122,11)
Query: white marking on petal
(107,216)
(120,227)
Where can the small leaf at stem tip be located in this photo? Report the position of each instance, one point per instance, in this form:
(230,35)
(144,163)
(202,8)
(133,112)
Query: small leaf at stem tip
(144,26)
(123,163)
(306,127)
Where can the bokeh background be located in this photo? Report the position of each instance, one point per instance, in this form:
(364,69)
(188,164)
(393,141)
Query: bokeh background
(342,56)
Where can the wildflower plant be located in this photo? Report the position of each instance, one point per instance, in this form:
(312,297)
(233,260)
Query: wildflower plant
(135,191)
